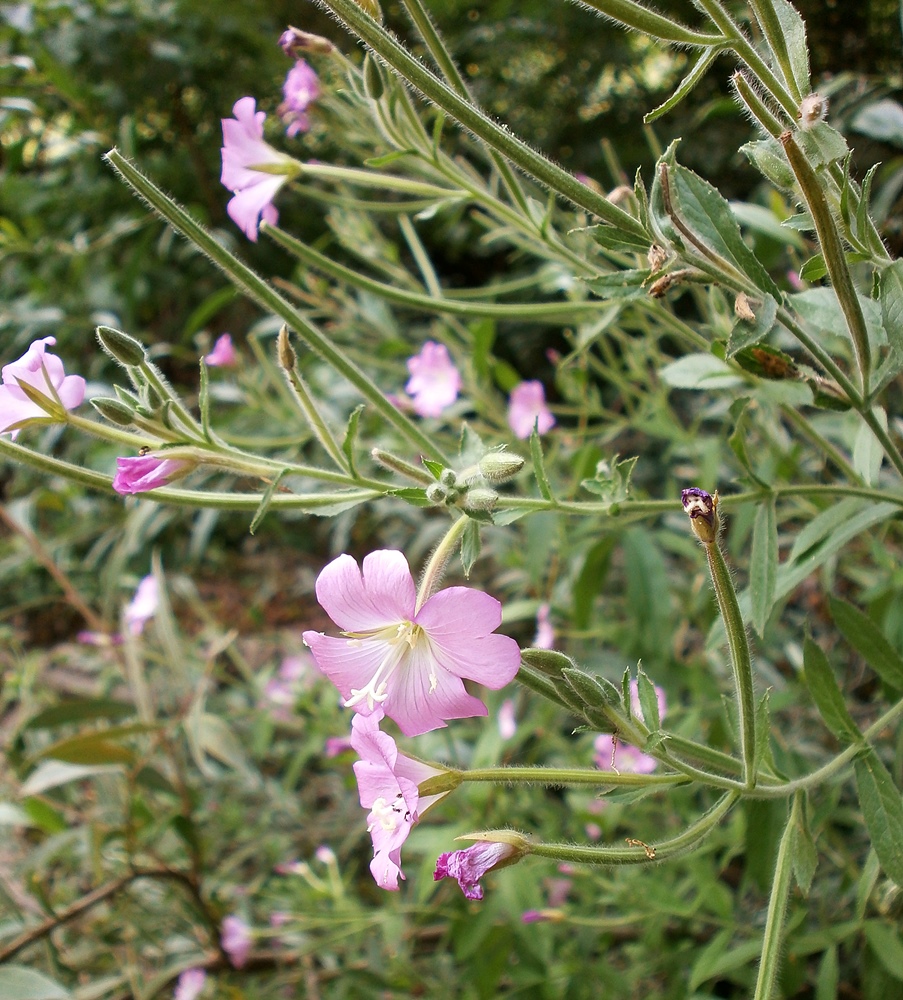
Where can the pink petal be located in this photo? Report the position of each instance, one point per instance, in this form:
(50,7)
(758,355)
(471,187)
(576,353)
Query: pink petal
(246,206)
(348,663)
(380,594)
(386,871)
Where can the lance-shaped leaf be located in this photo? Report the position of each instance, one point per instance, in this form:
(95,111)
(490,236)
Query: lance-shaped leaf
(868,640)
(882,810)
(827,694)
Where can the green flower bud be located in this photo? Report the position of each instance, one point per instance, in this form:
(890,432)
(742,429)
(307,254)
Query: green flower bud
(480,499)
(120,346)
(497,466)
(437,494)
(448,477)
(113,410)
(373,81)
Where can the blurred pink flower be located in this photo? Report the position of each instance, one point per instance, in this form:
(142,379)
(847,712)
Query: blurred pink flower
(190,984)
(143,606)
(279,918)
(557,890)
(470,865)
(506,720)
(387,781)
(325,854)
(545,634)
(223,354)
(435,382)
(300,90)
(625,757)
(336,745)
(44,373)
(406,662)
(236,940)
(146,472)
(252,169)
(527,408)
(593,831)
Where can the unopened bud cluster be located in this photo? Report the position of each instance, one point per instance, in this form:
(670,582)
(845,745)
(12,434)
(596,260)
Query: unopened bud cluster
(471,489)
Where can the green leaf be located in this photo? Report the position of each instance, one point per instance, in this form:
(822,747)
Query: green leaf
(80,711)
(748,332)
(539,468)
(612,479)
(548,661)
(265,501)
(793,37)
(803,854)
(767,156)
(882,810)
(591,579)
(698,70)
(868,452)
(217,738)
(414,495)
(470,546)
(98,747)
(763,564)
(884,940)
(620,284)
(378,162)
(826,693)
(435,469)
(739,410)
(700,371)
(482,333)
(615,239)
(648,701)
(814,269)
(767,362)
(890,297)
(763,731)
(354,419)
(20,983)
(44,816)
(53,773)
(868,640)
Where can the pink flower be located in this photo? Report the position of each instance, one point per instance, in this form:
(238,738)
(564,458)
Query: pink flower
(545,634)
(336,745)
(252,169)
(223,354)
(43,373)
(190,984)
(143,605)
(300,90)
(236,940)
(434,382)
(625,757)
(146,472)
(408,661)
(470,865)
(527,408)
(506,720)
(387,782)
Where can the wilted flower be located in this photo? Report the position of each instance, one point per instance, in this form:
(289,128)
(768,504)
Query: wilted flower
(702,509)
(623,756)
(527,408)
(545,634)
(408,662)
(236,940)
(190,984)
(143,606)
(252,169)
(470,865)
(435,382)
(388,781)
(223,354)
(146,472)
(300,90)
(43,373)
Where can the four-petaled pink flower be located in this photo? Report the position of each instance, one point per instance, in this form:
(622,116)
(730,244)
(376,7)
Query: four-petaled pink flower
(408,661)
(252,169)
(623,756)
(527,408)
(387,782)
(435,382)
(300,90)
(190,984)
(235,939)
(146,472)
(470,865)
(42,372)
(223,354)
(143,606)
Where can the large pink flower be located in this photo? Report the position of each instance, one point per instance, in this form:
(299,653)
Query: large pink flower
(44,373)
(300,90)
(387,781)
(146,472)
(435,382)
(623,756)
(527,408)
(244,154)
(406,661)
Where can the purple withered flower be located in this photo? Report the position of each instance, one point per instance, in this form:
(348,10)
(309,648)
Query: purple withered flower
(702,509)
(146,472)
(471,864)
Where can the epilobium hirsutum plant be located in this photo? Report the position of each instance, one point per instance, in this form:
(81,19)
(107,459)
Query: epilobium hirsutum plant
(672,333)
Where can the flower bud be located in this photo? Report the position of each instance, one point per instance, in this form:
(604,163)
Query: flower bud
(292,41)
(480,499)
(702,509)
(113,410)
(372,8)
(373,81)
(497,466)
(449,478)
(120,346)
(437,494)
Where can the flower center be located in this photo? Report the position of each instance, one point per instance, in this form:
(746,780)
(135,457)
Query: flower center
(399,641)
(388,815)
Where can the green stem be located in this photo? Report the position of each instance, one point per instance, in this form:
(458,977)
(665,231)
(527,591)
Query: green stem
(374,179)
(264,295)
(777,908)
(109,432)
(834,256)
(740,661)
(638,855)
(562,776)
(474,120)
(777,42)
(438,561)
(538,312)
(639,18)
